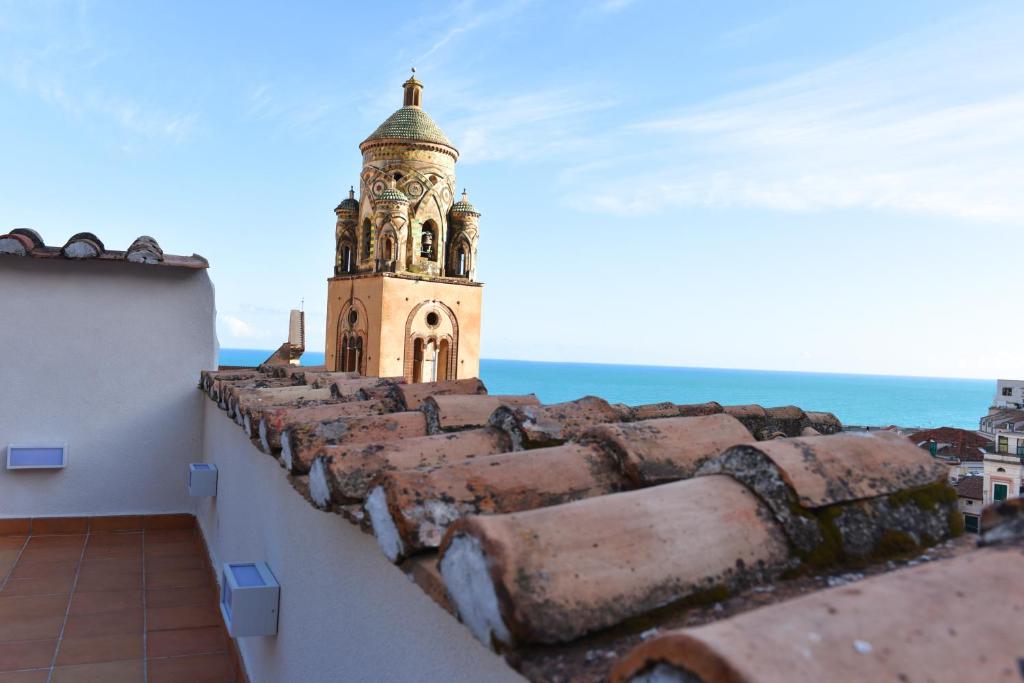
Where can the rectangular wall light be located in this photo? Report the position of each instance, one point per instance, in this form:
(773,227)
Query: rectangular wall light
(49,456)
(249,599)
(202,480)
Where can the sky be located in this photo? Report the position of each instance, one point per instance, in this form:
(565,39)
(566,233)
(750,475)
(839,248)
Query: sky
(805,186)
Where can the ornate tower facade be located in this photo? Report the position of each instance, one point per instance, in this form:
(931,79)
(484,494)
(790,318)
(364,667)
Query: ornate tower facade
(404,300)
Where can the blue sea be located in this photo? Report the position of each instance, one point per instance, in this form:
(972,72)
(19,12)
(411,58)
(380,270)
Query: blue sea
(877,400)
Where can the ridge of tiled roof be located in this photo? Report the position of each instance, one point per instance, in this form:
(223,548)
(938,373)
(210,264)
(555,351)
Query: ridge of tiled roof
(557,531)
(84,246)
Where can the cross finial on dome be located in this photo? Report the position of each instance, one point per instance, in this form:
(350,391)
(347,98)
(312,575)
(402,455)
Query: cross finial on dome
(351,191)
(465,198)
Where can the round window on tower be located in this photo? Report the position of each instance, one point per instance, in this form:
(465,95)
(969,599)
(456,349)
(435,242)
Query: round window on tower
(433,319)
(353,317)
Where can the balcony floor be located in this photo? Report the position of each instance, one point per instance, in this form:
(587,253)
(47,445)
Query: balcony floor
(110,606)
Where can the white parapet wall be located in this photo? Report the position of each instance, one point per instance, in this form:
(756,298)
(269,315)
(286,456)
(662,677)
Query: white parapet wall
(346,613)
(103,356)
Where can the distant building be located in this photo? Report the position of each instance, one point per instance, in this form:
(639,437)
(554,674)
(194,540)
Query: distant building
(1006,419)
(970,491)
(961,449)
(1009,394)
(404,301)
(1004,467)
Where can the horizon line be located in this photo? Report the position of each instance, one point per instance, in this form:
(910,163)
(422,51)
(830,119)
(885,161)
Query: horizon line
(696,367)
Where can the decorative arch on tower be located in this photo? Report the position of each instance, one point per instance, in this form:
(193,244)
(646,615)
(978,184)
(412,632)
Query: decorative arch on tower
(460,256)
(351,338)
(346,254)
(431,343)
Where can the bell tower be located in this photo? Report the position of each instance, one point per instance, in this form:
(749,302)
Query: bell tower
(404,300)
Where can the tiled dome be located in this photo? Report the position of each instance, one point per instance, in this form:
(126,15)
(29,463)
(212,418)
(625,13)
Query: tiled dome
(410,123)
(392,195)
(464,206)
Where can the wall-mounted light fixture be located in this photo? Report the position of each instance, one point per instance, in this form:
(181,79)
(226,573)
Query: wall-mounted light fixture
(202,480)
(249,599)
(48,456)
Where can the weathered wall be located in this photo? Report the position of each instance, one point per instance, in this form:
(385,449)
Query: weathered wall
(104,356)
(388,302)
(347,614)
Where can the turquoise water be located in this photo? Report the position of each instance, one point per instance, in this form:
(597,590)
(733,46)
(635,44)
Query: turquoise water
(855,399)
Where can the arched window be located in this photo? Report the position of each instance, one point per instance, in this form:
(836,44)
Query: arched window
(388,250)
(462,260)
(351,353)
(346,259)
(428,241)
(417,361)
(367,238)
(443,357)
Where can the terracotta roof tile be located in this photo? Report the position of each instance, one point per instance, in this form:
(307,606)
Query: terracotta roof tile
(411,396)
(412,509)
(551,425)
(301,443)
(966,445)
(553,574)
(906,625)
(271,421)
(144,250)
(450,412)
(848,495)
(667,449)
(971,487)
(558,521)
(342,474)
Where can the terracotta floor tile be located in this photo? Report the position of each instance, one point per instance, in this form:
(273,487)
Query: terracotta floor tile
(194,669)
(44,570)
(171,597)
(37,586)
(7,560)
(18,526)
(100,649)
(37,676)
(171,521)
(97,602)
(26,655)
(182,578)
(113,551)
(37,605)
(51,554)
(108,581)
(117,565)
(177,549)
(116,523)
(12,542)
(171,535)
(30,627)
(106,672)
(185,616)
(104,624)
(59,525)
(161,564)
(133,539)
(59,541)
(188,641)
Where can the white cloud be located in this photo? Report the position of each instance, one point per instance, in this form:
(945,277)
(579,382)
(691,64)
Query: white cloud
(240,329)
(523,126)
(931,123)
(54,56)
